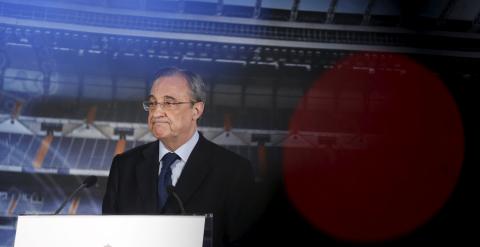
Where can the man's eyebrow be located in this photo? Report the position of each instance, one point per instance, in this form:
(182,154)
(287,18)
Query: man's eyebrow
(151,97)
(167,97)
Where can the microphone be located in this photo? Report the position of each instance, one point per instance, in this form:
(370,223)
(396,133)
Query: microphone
(171,191)
(88,182)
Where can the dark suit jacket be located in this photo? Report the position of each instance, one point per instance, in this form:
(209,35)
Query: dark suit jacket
(214,180)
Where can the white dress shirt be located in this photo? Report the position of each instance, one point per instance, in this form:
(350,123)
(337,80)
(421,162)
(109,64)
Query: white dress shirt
(183,152)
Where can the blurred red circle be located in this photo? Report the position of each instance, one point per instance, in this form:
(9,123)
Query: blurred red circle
(381,148)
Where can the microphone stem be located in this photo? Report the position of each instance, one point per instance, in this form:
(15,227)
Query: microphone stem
(69,198)
(179,201)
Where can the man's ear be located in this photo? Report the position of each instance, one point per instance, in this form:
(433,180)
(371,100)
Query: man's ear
(198,110)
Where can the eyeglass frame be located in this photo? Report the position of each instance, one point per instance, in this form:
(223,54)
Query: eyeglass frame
(162,105)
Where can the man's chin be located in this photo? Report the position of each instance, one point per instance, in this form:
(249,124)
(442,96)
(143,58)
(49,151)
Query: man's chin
(160,134)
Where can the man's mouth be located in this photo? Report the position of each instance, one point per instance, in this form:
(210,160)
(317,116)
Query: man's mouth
(160,122)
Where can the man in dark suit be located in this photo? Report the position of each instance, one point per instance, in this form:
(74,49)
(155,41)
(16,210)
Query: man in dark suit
(206,177)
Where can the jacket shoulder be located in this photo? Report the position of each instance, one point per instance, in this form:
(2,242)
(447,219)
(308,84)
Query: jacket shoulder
(223,154)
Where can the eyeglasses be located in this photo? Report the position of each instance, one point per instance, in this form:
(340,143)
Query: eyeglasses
(167,105)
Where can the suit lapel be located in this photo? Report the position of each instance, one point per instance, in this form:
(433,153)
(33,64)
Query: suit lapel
(147,173)
(195,171)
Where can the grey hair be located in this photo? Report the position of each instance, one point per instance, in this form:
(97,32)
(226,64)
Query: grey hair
(197,86)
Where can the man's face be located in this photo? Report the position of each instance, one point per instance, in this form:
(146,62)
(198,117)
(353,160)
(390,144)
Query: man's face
(173,123)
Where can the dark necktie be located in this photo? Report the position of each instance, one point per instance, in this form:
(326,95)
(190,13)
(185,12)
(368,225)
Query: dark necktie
(165,178)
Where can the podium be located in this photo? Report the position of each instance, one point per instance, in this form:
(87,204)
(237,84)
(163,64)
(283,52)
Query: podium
(114,230)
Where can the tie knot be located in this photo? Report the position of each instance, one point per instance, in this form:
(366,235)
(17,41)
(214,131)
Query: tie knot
(168,159)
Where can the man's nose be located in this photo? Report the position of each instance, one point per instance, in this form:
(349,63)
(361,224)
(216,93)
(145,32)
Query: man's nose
(157,111)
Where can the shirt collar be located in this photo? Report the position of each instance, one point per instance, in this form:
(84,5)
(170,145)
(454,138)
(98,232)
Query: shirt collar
(183,151)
